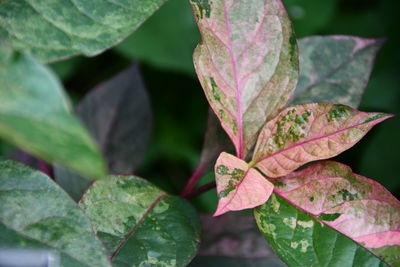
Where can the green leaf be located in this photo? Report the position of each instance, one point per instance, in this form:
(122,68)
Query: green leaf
(172,47)
(301,240)
(247,63)
(35,213)
(54,30)
(118,114)
(335,69)
(140,224)
(35,115)
(327,201)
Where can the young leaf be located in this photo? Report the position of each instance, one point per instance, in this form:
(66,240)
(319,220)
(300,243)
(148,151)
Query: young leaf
(118,115)
(35,115)
(53,30)
(238,186)
(247,65)
(327,214)
(140,224)
(335,69)
(36,214)
(310,132)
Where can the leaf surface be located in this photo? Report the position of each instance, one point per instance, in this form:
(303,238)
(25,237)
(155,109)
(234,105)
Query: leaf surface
(247,65)
(335,69)
(315,213)
(239,186)
(172,47)
(53,30)
(140,224)
(35,115)
(310,132)
(118,115)
(36,214)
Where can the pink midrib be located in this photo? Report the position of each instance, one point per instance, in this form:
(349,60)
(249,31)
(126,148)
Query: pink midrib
(319,138)
(239,119)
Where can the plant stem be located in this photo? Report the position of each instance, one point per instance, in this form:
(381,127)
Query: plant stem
(193,180)
(200,190)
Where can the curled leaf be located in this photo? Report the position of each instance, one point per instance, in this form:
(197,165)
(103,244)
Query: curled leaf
(247,65)
(310,132)
(239,186)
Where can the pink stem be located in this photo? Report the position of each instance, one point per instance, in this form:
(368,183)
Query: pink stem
(193,180)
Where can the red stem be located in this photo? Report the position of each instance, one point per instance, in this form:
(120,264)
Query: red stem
(193,180)
(200,190)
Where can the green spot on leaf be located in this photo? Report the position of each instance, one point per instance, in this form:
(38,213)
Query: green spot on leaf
(338,112)
(346,195)
(204,8)
(329,217)
(375,117)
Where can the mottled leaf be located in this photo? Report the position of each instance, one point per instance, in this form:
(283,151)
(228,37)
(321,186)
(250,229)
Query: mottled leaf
(54,30)
(36,214)
(247,64)
(239,186)
(140,224)
(35,115)
(310,132)
(334,69)
(118,115)
(317,211)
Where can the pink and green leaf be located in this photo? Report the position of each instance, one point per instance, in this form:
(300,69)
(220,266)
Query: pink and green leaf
(309,132)
(247,65)
(332,197)
(238,186)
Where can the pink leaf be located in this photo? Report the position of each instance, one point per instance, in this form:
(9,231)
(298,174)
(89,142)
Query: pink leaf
(310,132)
(247,65)
(238,186)
(356,206)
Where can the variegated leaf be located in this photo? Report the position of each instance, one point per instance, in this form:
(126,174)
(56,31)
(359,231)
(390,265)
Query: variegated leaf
(238,186)
(354,206)
(247,65)
(334,69)
(141,225)
(309,132)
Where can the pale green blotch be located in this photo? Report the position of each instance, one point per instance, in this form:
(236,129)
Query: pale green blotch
(291,222)
(275,204)
(304,224)
(304,244)
(161,207)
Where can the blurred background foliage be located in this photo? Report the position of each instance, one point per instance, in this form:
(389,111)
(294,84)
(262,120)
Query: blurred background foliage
(164,44)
